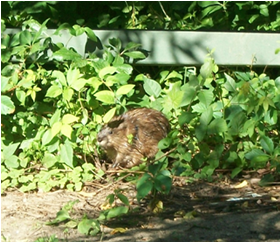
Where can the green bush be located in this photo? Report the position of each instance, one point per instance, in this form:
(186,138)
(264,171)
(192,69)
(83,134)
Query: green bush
(54,101)
(169,15)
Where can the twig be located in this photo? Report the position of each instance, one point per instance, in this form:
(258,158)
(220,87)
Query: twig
(164,11)
(165,154)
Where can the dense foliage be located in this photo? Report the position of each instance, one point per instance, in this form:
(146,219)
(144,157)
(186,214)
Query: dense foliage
(54,101)
(170,15)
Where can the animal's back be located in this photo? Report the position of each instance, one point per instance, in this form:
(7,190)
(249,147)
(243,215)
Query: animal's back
(128,138)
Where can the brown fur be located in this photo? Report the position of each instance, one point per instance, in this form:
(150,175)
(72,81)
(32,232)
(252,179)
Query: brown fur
(130,137)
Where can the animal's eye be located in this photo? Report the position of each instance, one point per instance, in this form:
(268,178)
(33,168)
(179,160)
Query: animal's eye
(110,132)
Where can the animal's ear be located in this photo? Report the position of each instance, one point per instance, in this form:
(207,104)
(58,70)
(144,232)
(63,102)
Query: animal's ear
(115,123)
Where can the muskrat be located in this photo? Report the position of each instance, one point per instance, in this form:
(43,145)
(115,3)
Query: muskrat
(132,136)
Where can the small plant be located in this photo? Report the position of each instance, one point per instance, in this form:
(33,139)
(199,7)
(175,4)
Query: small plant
(155,181)
(47,239)
(89,226)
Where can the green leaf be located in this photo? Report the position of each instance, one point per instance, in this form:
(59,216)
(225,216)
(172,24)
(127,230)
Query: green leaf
(56,128)
(199,108)
(206,97)
(4,83)
(24,179)
(117,211)
(39,29)
(110,198)
(264,10)
(29,187)
(54,91)
(124,68)
(90,34)
(58,75)
(217,126)
(152,87)
(9,150)
(144,185)
(267,144)
(55,117)
(94,83)
(135,54)
(77,30)
(131,45)
(123,198)
(5,55)
(69,118)
(5,41)
(205,4)
(206,117)
(174,75)
(25,37)
(238,124)
(116,43)
(206,69)
(109,115)
(79,84)
(61,216)
(67,154)
(124,89)
(66,130)
(7,105)
(15,40)
(253,18)
(89,226)
(12,162)
(174,95)
(69,205)
(85,117)
(49,160)
(230,84)
(67,93)
(164,143)
(257,158)
(200,132)
(65,54)
(207,171)
(163,183)
(119,78)
(47,137)
(108,70)
(266,180)
(236,171)
(35,48)
(189,95)
(72,76)
(105,97)
(71,224)
(21,96)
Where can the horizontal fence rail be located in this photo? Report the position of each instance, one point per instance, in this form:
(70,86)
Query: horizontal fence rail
(183,47)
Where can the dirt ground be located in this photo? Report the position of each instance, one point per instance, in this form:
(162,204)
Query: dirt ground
(223,213)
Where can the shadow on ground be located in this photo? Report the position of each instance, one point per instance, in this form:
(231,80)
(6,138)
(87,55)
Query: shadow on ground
(252,215)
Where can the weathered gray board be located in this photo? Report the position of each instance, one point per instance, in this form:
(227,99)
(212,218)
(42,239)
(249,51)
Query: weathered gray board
(185,47)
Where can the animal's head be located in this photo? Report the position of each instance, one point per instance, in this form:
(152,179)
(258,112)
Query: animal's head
(110,132)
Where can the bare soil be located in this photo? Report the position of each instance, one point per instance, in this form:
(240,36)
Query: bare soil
(252,214)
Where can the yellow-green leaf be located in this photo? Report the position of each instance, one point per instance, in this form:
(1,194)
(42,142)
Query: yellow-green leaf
(124,89)
(107,70)
(59,76)
(72,76)
(69,118)
(66,130)
(109,115)
(105,97)
(56,128)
